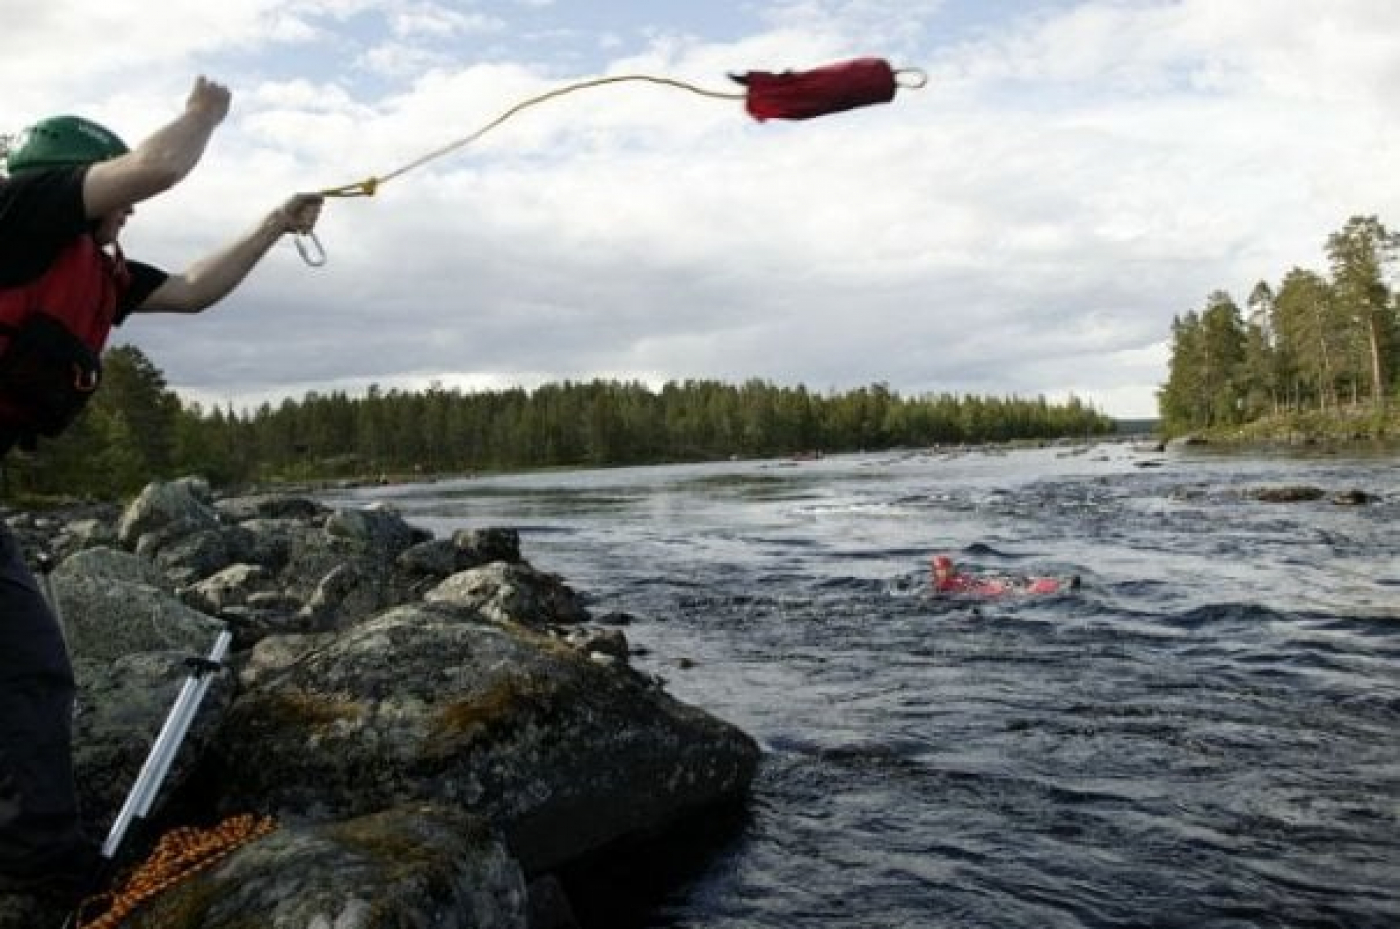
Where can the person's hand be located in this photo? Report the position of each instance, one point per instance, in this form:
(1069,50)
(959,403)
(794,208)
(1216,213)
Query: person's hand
(300,213)
(208,100)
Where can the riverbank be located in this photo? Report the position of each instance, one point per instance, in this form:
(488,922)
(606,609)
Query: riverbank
(433,725)
(1351,426)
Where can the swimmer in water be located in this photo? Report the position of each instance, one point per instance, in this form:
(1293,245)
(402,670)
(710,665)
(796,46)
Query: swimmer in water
(946,579)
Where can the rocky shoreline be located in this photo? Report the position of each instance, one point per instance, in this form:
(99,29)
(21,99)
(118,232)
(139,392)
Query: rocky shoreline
(436,726)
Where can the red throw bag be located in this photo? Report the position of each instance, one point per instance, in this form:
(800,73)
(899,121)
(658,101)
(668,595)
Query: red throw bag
(830,89)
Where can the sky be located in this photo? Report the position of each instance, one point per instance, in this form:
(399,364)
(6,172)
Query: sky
(1072,177)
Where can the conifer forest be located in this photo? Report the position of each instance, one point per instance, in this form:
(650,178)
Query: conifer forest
(136,429)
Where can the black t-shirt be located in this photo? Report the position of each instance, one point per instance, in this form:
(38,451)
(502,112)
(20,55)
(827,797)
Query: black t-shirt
(40,213)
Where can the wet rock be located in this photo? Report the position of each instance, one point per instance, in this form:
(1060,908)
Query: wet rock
(377,531)
(483,546)
(192,556)
(121,709)
(270,506)
(274,601)
(278,653)
(431,703)
(87,533)
(611,643)
(1294,494)
(184,502)
(233,586)
(334,593)
(508,592)
(437,558)
(416,865)
(266,542)
(106,619)
(97,564)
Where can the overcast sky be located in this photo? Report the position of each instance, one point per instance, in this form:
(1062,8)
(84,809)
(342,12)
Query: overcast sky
(1073,175)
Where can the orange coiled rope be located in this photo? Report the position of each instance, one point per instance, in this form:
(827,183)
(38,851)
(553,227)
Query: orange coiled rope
(180,854)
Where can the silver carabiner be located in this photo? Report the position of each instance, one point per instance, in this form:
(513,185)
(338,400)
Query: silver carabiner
(310,249)
(910,77)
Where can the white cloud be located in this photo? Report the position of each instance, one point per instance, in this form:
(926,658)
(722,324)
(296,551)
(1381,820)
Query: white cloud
(1027,223)
(438,21)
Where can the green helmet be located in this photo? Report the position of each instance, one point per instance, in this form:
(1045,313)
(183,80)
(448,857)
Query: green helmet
(63,140)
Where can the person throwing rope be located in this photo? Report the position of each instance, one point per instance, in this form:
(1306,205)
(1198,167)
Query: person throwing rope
(68,188)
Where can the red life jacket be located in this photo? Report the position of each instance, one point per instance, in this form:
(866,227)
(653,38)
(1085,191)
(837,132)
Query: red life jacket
(52,332)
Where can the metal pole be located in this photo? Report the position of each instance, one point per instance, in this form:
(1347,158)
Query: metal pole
(167,744)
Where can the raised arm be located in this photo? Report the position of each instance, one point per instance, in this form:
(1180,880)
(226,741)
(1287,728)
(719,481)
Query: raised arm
(211,278)
(162,160)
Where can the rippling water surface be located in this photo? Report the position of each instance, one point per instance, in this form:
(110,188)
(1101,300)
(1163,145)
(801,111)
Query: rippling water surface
(1206,733)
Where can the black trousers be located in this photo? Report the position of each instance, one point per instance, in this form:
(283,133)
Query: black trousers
(38,797)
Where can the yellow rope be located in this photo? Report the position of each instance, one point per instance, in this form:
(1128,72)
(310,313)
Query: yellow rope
(370,185)
(180,854)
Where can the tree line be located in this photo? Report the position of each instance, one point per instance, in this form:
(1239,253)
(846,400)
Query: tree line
(137,429)
(1313,342)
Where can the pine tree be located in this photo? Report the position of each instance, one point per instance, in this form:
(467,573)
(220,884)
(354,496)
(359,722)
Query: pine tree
(1359,254)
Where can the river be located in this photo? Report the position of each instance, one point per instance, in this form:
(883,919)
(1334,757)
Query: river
(1206,733)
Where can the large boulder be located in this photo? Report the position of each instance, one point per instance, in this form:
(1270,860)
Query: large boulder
(483,546)
(107,617)
(270,506)
(187,556)
(376,530)
(131,643)
(439,704)
(416,865)
(511,592)
(186,502)
(109,564)
(121,709)
(468,548)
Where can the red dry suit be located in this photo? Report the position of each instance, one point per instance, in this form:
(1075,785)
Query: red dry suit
(996,586)
(992,586)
